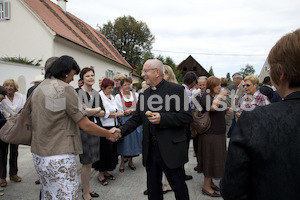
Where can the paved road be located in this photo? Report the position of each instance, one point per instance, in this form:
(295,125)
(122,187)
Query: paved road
(127,186)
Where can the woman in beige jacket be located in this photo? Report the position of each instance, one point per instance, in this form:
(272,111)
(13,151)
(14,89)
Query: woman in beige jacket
(56,115)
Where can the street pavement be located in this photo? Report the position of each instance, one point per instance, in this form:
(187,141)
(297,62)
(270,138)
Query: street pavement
(129,185)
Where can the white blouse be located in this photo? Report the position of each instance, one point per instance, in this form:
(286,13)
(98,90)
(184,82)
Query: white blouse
(119,101)
(13,107)
(110,106)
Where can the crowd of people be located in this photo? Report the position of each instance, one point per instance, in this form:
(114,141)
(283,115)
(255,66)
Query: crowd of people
(261,161)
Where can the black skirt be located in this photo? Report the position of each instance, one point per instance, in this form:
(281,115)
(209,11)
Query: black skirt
(108,155)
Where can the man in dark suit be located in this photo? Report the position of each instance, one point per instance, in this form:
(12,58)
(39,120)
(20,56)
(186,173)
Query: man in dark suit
(164,140)
(263,159)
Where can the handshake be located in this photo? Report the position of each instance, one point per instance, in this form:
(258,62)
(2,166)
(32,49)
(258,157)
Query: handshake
(115,134)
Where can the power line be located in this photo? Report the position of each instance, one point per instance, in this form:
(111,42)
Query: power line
(209,54)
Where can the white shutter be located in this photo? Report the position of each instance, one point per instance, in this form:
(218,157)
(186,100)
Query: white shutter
(6,8)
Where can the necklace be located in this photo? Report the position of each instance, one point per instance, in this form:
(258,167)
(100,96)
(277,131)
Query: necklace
(127,96)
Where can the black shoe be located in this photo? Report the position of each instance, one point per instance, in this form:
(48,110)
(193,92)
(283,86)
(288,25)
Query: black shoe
(164,192)
(94,194)
(214,194)
(188,177)
(146,192)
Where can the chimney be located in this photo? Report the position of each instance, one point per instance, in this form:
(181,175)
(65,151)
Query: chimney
(62,4)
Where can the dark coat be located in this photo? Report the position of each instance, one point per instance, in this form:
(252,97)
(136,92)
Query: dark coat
(270,93)
(170,132)
(2,122)
(263,159)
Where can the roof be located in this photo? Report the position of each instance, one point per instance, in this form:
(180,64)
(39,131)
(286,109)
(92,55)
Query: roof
(189,63)
(75,30)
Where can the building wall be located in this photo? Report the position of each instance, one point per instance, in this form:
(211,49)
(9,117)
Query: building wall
(86,58)
(265,71)
(23,35)
(23,74)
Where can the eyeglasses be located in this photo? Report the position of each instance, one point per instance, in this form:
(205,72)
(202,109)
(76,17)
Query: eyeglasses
(147,70)
(246,85)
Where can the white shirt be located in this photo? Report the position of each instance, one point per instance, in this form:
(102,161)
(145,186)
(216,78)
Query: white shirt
(13,107)
(119,101)
(110,106)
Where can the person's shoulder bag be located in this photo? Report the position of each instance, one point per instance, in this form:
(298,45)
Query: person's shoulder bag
(18,128)
(201,122)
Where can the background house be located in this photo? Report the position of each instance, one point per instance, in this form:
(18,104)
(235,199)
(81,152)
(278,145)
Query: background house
(39,29)
(190,64)
(265,71)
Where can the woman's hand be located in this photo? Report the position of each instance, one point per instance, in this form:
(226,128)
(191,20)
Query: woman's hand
(120,114)
(238,114)
(128,112)
(229,110)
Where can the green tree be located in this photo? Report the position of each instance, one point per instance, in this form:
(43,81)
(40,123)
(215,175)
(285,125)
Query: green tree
(211,71)
(145,56)
(169,61)
(161,58)
(130,37)
(228,77)
(248,70)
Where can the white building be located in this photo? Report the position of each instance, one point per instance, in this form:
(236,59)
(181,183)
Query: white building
(265,71)
(39,29)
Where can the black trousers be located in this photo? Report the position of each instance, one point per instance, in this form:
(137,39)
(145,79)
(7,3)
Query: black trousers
(155,167)
(13,160)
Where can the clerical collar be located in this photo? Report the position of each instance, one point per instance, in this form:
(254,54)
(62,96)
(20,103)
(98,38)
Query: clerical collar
(158,85)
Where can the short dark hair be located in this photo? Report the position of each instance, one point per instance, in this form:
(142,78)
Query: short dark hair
(189,78)
(62,66)
(84,71)
(3,90)
(267,80)
(107,82)
(126,79)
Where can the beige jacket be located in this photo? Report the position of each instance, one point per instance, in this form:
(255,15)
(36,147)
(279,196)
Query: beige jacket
(55,113)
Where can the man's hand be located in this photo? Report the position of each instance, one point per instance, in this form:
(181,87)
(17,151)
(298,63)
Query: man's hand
(115,134)
(155,119)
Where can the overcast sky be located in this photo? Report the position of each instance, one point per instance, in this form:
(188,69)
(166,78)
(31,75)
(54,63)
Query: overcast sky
(226,35)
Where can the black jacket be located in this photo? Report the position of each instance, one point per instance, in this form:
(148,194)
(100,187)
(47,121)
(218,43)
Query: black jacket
(263,159)
(170,132)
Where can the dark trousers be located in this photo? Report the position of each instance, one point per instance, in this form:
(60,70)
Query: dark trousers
(13,160)
(188,134)
(231,127)
(195,144)
(155,166)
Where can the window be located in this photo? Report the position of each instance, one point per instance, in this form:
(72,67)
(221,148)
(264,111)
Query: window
(4,9)
(194,69)
(109,74)
(267,69)
(184,69)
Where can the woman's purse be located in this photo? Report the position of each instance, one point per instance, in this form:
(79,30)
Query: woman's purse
(18,128)
(201,121)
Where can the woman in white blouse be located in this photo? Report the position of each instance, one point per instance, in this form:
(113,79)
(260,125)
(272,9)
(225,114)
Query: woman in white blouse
(108,150)
(131,145)
(11,105)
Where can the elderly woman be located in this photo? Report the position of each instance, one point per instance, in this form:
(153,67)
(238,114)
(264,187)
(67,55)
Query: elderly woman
(212,144)
(117,78)
(253,97)
(263,157)
(131,145)
(108,150)
(56,140)
(11,105)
